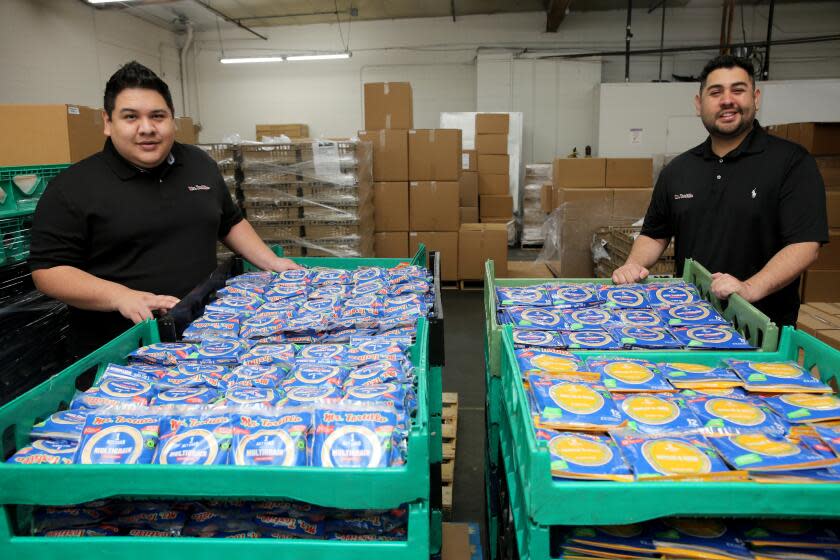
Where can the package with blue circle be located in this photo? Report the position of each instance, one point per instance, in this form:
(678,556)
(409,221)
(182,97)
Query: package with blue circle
(300,395)
(735,415)
(565,404)
(590,340)
(327,307)
(255,376)
(798,408)
(332,291)
(165,353)
(361,309)
(136,372)
(306,374)
(656,412)
(713,337)
(530,296)
(573,296)
(242,289)
(587,318)
(307,324)
(628,296)
(630,375)
(671,293)
(375,349)
(46,452)
(212,375)
(342,333)
(262,325)
(759,451)
(113,437)
(373,288)
(272,439)
(297,276)
(393,343)
(776,377)
(650,338)
(538,318)
(187,396)
(329,276)
(177,379)
(261,277)
(281,527)
(699,376)
(353,438)
(113,392)
(62,425)
(579,456)
(546,360)
(197,336)
(286,309)
(392,395)
(221,352)
(395,330)
(368,274)
(374,373)
(419,288)
(691,314)
(218,321)
(523,338)
(636,318)
(397,305)
(194,439)
(335,354)
(282,355)
(253,396)
(240,305)
(407,275)
(288,293)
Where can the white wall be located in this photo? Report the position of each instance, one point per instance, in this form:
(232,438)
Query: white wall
(62,51)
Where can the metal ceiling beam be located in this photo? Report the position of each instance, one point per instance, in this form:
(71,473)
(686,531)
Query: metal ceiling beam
(227,18)
(278,16)
(555,13)
(452,5)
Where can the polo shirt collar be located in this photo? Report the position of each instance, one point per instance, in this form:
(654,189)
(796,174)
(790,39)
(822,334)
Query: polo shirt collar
(126,170)
(754,143)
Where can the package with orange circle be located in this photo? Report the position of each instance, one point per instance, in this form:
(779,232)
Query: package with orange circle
(735,415)
(758,451)
(652,413)
(776,377)
(580,456)
(672,457)
(546,360)
(798,408)
(632,375)
(699,376)
(568,404)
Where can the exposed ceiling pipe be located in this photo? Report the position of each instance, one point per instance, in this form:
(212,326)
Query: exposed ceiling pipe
(627,36)
(765,72)
(227,18)
(183,57)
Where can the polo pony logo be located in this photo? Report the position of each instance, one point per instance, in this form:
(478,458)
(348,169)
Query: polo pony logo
(198,188)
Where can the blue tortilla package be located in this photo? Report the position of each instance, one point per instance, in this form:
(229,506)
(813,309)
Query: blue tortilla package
(731,392)
(419,288)
(135,372)
(691,314)
(305,396)
(329,276)
(261,277)
(699,376)
(633,375)
(710,539)
(572,296)
(374,373)
(263,325)
(578,456)
(111,438)
(587,318)
(218,321)
(791,533)
(635,318)
(165,353)
(652,413)
(831,437)
(187,396)
(533,360)
(285,308)
(368,274)
(758,451)
(212,375)
(798,408)
(240,305)
(374,288)
(393,331)
(524,338)
(571,405)
(406,274)
(242,289)
(332,291)
(281,355)
(711,337)
(776,377)
(62,425)
(112,392)
(286,292)
(400,305)
(254,396)
(46,452)
(327,307)
(296,276)
(539,318)
(392,395)
(335,354)
(530,296)
(649,338)
(661,294)
(164,521)
(362,308)
(628,296)
(177,379)
(197,336)
(590,340)
(277,440)
(376,349)
(255,376)
(311,374)
(284,527)
(200,439)
(353,439)
(221,352)
(635,537)
(103,530)
(734,415)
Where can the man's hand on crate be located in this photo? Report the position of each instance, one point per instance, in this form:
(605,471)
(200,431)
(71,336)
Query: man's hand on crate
(138,306)
(724,285)
(280,264)
(629,273)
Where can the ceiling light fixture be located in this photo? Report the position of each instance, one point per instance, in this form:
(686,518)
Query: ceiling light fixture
(336,56)
(107,1)
(251,59)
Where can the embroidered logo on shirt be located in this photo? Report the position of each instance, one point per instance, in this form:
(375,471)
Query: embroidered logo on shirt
(198,188)
(682,196)
(753,193)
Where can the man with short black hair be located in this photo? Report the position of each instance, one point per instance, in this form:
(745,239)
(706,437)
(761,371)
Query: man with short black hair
(748,206)
(130,230)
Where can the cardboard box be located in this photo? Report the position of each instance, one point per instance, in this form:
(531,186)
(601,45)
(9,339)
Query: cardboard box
(290,130)
(391,245)
(455,544)
(821,139)
(390,202)
(830,308)
(830,337)
(575,251)
(829,167)
(494,164)
(469,160)
(185,131)
(547,198)
(629,172)
(821,285)
(49,134)
(492,123)
(434,205)
(832,206)
(630,204)
(491,144)
(434,154)
(495,206)
(527,269)
(478,243)
(390,153)
(489,183)
(469,215)
(829,258)
(388,105)
(444,242)
(580,172)
(494,220)
(469,189)
(594,205)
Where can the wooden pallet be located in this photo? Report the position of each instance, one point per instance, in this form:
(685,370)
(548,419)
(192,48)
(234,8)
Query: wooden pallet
(448,284)
(449,432)
(471,285)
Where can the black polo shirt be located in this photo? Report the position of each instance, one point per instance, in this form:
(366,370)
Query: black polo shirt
(150,230)
(732,214)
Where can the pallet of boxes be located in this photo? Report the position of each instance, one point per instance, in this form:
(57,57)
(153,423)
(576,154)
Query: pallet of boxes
(416,174)
(226,157)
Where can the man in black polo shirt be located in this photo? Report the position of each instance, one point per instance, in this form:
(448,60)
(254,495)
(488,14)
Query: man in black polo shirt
(132,229)
(748,206)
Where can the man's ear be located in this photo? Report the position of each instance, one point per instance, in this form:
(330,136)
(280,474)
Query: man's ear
(757,96)
(106,122)
(697,104)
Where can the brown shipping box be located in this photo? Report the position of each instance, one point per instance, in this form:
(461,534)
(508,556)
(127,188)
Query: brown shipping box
(290,130)
(444,242)
(492,123)
(49,134)
(829,167)
(629,172)
(489,183)
(390,201)
(469,215)
(390,153)
(478,243)
(829,258)
(821,285)
(821,139)
(434,154)
(527,269)
(492,144)
(495,206)
(830,337)
(630,204)
(547,198)
(469,189)
(832,206)
(576,252)
(494,164)
(469,160)
(391,245)
(388,105)
(580,172)
(455,544)
(595,205)
(185,132)
(434,205)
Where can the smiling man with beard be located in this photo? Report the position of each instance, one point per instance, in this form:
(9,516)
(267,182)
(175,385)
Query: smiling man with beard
(748,206)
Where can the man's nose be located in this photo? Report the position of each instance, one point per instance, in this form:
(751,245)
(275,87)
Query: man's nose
(146,126)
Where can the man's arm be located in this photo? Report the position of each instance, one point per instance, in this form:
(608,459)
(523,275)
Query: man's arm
(781,270)
(83,290)
(644,254)
(243,240)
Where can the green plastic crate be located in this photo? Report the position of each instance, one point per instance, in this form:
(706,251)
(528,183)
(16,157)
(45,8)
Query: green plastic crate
(33,179)
(749,321)
(74,484)
(550,502)
(435,531)
(419,259)
(15,239)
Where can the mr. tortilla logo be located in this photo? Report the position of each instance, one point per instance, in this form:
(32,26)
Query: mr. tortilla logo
(650,410)
(629,372)
(761,444)
(576,398)
(783,370)
(580,451)
(674,457)
(735,411)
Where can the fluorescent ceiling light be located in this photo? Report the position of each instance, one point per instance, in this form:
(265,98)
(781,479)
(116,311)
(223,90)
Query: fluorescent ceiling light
(336,56)
(251,59)
(107,1)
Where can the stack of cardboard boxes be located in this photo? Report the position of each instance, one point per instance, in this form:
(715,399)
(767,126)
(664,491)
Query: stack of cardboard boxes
(275,130)
(821,320)
(821,281)
(495,204)
(593,193)
(537,187)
